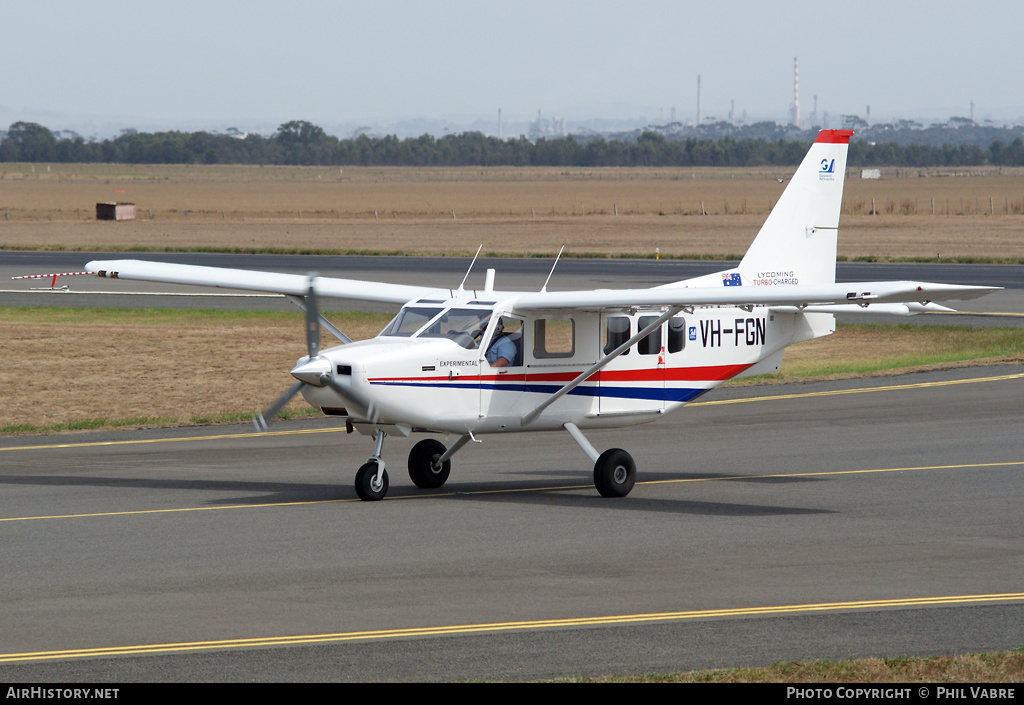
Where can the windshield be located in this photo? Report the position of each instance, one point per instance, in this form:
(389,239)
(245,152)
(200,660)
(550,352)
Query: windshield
(465,326)
(409,320)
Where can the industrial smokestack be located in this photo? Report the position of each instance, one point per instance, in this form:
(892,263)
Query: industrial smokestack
(796,93)
(698,100)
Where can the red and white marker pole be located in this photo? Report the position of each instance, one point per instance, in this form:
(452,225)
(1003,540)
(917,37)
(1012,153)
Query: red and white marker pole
(51,277)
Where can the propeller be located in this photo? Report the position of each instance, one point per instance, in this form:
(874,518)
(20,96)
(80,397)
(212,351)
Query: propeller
(313,371)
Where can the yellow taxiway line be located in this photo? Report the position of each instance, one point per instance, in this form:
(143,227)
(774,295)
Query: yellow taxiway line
(492,627)
(147,441)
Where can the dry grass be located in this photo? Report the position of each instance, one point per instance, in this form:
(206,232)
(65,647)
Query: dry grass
(612,211)
(94,367)
(999,667)
(71,367)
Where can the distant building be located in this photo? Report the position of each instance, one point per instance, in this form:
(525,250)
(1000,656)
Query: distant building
(115,211)
(543,127)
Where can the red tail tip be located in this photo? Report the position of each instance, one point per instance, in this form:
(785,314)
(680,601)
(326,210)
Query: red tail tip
(834,136)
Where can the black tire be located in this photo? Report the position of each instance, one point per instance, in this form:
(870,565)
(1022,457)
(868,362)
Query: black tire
(614,473)
(423,470)
(365,487)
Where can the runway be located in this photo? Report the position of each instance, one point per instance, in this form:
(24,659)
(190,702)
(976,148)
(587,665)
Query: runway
(825,520)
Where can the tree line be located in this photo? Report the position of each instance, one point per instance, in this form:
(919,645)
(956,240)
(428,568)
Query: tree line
(303,143)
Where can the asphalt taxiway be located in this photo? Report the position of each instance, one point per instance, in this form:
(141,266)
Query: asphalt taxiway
(825,520)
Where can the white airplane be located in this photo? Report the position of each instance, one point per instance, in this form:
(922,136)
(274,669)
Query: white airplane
(473,362)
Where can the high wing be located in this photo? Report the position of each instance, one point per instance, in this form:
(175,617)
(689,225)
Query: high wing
(859,293)
(267,282)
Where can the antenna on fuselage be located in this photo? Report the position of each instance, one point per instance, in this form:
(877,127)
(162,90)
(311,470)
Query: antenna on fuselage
(545,287)
(471,266)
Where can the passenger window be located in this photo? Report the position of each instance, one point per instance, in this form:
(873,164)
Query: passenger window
(676,334)
(651,344)
(554,338)
(616,332)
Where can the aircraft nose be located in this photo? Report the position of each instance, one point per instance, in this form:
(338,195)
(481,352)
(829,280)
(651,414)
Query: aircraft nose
(309,370)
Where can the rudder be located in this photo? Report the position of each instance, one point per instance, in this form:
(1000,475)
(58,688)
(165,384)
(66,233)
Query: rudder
(797,243)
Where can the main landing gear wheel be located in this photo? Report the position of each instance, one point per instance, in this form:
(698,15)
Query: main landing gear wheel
(424,470)
(367,486)
(614,473)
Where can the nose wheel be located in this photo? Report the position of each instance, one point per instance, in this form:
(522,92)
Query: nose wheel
(372,478)
(371,482)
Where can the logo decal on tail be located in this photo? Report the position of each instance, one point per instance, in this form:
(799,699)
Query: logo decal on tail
(732,279)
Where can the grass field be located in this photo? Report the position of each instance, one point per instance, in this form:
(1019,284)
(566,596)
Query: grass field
(998,667)
(924,214)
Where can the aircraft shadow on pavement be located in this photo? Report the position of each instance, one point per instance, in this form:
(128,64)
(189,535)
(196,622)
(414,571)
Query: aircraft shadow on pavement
(576,492)
(262,492)
(562,491)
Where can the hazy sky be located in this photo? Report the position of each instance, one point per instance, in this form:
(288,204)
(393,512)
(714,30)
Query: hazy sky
(334,62)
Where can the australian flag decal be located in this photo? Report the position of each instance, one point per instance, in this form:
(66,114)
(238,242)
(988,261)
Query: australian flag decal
(731,279)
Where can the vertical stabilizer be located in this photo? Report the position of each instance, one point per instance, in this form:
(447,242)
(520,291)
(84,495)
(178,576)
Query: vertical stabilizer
(797,243)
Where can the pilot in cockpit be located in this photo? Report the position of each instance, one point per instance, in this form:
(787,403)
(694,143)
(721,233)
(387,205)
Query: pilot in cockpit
(501,351)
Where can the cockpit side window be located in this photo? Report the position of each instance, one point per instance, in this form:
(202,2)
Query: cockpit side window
(506,341)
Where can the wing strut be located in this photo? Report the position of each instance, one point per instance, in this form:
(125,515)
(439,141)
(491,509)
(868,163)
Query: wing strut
(531,416)
(331,328)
